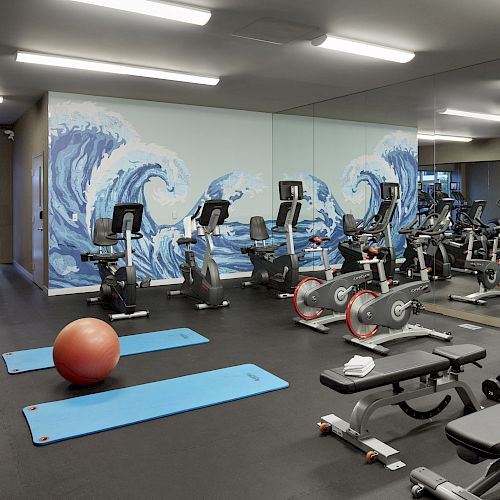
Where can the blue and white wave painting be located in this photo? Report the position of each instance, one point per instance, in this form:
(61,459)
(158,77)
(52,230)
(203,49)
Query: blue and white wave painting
(97,159)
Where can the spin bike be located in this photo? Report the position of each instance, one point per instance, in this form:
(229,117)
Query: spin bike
(313,297)
(368,311)
(279,273)
(203,283)
(118,287)
(487,271)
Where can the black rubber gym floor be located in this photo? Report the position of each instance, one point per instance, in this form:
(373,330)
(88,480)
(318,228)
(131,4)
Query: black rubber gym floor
(464,284)
(264,447)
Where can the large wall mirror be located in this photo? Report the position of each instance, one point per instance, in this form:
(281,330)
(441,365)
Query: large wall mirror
(438,138)
(465,163)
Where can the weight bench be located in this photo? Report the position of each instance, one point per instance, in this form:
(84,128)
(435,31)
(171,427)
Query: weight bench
(477,437)
(434,372)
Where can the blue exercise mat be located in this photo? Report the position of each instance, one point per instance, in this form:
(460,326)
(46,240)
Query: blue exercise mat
(38,359)
(59,420)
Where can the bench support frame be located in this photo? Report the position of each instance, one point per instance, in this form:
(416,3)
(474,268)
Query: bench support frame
(356,431)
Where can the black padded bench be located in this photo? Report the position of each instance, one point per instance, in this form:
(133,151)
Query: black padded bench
(477,438)
(402,367)
(434,373)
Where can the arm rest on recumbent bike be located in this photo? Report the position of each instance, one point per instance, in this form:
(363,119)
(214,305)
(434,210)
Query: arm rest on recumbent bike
(101,257)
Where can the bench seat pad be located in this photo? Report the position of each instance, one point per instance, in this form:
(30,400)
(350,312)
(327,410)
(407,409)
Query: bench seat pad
(388,370)
(478,432)
(461,354)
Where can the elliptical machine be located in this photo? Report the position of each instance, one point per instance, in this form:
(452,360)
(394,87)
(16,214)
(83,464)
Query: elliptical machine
(118,287)
(203,283)
(487,271)
(277,273)
(313,297)
(367,311)
(435,254)
(351,250)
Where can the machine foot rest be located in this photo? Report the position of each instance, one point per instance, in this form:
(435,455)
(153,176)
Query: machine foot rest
(137,314)
(224,303)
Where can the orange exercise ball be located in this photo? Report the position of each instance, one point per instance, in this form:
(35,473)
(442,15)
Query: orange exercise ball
(86,351)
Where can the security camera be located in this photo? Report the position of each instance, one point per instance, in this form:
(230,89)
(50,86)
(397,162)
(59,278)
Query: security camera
(9,134)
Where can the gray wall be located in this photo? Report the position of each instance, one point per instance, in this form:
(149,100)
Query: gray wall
(6,147)
(31,140)
(457,152)
(483,183)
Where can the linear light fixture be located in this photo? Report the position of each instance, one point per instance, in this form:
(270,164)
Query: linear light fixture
(1,99)
(118,69)
(469,114)
(363,49)
(439,137)
(174,12)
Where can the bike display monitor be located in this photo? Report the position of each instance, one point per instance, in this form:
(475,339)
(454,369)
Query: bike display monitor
(389,190)
(285,188)
(209,207)
(120,212)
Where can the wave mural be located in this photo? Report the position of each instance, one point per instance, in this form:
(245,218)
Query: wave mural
(97,159)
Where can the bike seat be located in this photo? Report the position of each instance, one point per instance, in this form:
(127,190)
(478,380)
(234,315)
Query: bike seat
(318,239)
(261,249)
(373,250)
(185,241)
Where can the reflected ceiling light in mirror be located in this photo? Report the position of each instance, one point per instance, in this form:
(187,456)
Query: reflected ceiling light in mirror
(174,12)
(363,49)
(469,114)
(438,137)
(117,69)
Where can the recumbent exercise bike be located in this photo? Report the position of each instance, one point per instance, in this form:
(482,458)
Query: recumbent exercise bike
(203,283)
(119,284)
(279,273)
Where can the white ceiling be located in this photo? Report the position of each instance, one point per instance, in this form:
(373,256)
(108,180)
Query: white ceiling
(445,34)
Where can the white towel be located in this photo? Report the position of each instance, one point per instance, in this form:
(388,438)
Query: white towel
(359,366)
(356,361)
(360,373)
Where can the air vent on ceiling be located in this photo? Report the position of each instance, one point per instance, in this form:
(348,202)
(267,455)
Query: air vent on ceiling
(276,31)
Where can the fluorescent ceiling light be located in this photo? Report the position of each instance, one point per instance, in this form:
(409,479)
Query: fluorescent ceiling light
(184,14)
(439,137)
(1,99)
(118,69)
(468,114)
(363,49)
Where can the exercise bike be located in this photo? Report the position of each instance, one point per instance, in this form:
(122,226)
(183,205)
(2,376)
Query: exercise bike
(203,283)
(350,249)
(435,254)
(456,245)
(279,273)
(313,297)
(487,271)
(119,284)
(368,311)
